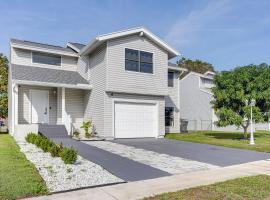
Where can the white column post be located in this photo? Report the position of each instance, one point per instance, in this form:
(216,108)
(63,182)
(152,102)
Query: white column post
(64,114)
(14,120)
(65,117)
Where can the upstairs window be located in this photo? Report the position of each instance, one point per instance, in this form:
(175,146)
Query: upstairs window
(47,59)
(170,79)
(207,83)
(138,61)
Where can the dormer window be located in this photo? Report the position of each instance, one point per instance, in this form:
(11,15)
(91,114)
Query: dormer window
(138,61)
(47,59)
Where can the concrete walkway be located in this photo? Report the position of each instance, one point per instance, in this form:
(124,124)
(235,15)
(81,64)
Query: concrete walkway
(146,188)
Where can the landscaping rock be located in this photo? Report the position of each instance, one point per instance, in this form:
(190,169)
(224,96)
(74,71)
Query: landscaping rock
(61,177)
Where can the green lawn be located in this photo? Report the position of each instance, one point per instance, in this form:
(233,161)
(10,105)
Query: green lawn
(227,139)
(18,177)
(255,187)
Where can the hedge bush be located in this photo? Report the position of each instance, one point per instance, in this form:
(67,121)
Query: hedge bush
(46,144)
(68,155)
(31,138)
(55,150)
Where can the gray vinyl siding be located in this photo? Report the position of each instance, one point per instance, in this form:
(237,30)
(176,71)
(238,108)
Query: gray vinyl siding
(95,106)
(69,63)
(172,100)
(20,56)
(195,104)
(83,67)
(23,57)
(24,106)
(120,80)
(108,118)
(75,104)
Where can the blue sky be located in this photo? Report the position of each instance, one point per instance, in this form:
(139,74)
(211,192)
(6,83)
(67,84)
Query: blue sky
(226,33)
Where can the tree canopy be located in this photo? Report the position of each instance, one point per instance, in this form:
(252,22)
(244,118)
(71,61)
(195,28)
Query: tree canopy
(195,65)
(233,88)
(3,86)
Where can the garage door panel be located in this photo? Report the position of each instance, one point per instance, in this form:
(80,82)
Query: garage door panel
(133,120)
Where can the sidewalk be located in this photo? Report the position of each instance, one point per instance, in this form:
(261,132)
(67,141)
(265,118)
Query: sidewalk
(146,188)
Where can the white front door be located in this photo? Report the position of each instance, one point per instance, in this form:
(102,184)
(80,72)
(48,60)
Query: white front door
(40,106)
(135,120)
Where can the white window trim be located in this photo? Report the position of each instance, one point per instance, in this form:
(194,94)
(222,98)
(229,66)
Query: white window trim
(46,65)
(139,72)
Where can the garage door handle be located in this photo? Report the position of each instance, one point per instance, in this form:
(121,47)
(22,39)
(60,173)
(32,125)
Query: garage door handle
(45,111)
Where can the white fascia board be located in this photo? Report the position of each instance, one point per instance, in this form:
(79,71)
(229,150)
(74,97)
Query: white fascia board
(136,93)
(32,48)
(38,83)
(210,72)
(102,38)
(197,74)
(180,69)
(73,47)
(91,46)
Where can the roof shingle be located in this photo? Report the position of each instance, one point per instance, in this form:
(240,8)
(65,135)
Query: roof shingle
(29,73)
(41,45)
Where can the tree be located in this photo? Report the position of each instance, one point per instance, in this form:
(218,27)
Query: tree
(233,88)
(3,86)
(195,65)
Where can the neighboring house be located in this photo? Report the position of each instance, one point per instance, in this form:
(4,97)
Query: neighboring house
(195,98)
(121,81)
(195,104)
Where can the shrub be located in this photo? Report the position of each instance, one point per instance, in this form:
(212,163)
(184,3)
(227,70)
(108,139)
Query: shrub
(45,144)
(55,150)
(30,138)
(86,126)
(38,140)
(68,155)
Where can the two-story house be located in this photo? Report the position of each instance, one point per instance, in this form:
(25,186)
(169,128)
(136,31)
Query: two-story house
(195,98)
(121,81)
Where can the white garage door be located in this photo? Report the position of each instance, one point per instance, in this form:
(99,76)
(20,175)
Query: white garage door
(135,120)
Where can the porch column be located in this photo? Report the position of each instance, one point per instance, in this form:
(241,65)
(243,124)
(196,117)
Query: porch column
(14,99)
(63,98)
(65,117)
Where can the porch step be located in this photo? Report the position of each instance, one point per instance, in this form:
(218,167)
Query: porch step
(53,131)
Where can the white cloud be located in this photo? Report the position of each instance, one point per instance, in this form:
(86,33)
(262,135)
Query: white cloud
(186,30)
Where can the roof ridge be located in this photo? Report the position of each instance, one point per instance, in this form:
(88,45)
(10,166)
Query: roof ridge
(12,39)
(77,43)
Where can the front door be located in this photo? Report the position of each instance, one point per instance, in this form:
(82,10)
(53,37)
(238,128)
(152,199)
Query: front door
(40,106)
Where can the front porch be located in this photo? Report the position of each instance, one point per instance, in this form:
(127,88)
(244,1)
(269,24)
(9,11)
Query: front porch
(48,105)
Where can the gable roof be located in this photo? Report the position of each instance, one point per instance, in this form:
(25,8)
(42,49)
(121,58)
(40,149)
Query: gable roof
(75,46)
(24,44)
(197,74)
(139,30)
(46,75)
